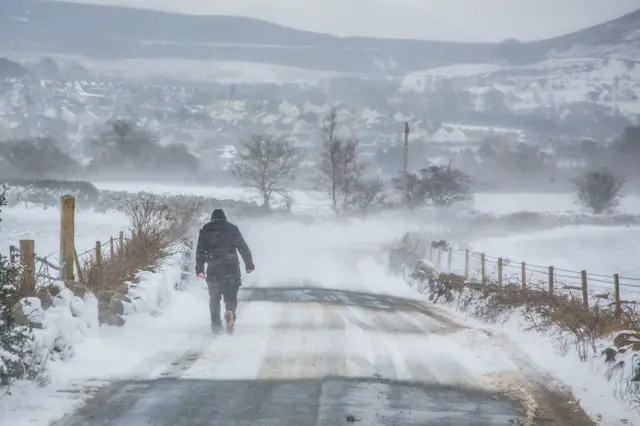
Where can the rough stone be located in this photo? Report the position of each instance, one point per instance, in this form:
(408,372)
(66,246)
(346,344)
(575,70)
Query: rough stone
(116,307)
(77,288)
(46,299)
(627,339)
(105,295)
(121,297)
(115,320)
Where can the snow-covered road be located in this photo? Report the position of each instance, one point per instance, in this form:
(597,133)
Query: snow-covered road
(324,332)
(314,356)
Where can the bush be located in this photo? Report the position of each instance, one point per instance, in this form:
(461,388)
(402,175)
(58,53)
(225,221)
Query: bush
(47,192)
(599,190)
(439,186)
(35,157)
(15,339)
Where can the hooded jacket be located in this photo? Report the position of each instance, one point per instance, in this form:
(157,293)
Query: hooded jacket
(219,242)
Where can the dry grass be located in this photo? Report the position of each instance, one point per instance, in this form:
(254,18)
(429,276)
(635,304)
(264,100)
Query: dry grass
(158,225)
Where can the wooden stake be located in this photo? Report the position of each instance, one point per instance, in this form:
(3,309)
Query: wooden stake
(78,268)
(111,248)
(551,276)
(483,268)
(99,254)
(500,271)
(616,295)
(406,164)
(67,236)
(524,275)
(466,264)
(449,259)
(121,244)
(28,263)
(585,289)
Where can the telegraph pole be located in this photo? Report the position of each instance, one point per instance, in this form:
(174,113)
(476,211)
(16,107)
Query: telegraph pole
(406,164)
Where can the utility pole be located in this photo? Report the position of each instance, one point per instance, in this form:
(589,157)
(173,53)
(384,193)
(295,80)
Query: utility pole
(406,164)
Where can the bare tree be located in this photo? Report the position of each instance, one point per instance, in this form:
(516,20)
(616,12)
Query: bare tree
(265,166)
(329,165)
(340,167)
(369,193)
(599,190)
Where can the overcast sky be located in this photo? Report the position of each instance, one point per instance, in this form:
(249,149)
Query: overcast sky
(455,20)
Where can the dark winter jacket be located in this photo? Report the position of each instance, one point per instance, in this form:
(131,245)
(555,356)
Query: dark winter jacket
(218,245)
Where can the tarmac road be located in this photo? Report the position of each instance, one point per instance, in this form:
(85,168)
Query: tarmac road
(313,356)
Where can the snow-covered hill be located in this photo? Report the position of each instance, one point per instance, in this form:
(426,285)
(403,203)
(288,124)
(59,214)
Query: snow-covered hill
(613,83)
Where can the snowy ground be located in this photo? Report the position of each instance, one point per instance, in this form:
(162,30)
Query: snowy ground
(311,202)
(43,226)
(316,339)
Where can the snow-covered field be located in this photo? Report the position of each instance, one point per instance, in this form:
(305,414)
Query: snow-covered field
(43,226)
(311,201)
(338,255)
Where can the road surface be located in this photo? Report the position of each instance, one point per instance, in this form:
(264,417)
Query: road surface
(315,356)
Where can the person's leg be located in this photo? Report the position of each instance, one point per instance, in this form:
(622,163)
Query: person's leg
(230,294)
(215,293)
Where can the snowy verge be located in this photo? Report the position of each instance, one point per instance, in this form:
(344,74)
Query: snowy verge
(599,365)
(63,321)
(161,326)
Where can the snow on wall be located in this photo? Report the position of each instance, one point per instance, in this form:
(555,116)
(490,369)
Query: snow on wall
(71,319)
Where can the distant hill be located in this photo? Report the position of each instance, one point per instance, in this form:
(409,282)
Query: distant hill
(45,26)
(10,69)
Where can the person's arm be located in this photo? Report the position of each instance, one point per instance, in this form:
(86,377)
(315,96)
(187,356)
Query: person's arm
(243,249)
(201,252)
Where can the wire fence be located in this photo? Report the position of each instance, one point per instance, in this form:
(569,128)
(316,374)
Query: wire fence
(486,269)
(39,272)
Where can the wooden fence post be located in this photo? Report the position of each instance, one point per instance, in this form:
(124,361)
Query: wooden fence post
(500,271)
(111,248)
(524,275)
(67,236)
(439,258)
(466,264)
(616,295)
(98,254)
(449,259)
(121,244)
(78,268)
(28,262)
(585,292)
(551,276)
(483,268)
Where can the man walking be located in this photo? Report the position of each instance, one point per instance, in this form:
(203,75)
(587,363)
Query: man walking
(218,245)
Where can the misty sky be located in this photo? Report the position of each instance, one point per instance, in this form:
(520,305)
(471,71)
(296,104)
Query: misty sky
(455,20)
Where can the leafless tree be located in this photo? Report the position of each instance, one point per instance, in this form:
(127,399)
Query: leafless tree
(340,167)
(329,165)
(266,166)
(369,193)
(599,190)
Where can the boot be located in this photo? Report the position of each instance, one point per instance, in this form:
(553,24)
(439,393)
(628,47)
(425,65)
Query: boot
(216,328)
(229,318)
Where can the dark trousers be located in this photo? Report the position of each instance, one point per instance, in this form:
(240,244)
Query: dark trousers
(220,289)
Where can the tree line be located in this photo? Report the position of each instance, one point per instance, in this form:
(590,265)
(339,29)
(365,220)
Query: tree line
(118,145)
(270,166)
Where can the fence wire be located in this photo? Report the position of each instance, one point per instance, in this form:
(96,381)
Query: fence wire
(47,273)
(454,260)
